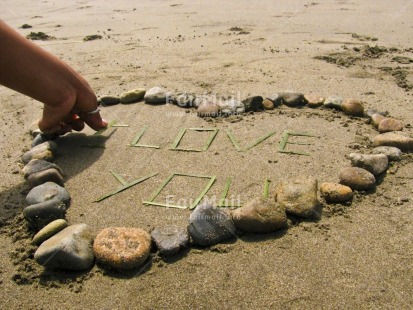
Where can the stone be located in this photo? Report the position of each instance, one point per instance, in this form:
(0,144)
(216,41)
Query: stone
(357,178)
(34,126)
(335,192)
(208,109)
(35,133)
(40,214)
(39,139)
(111,100)
(209,225)
(393,153)
(132,96)
(48,191)
(260,215)
(122,247)
(183,100)
(292,99)
(299,197)
(49,175)
(170,239)
(276,99)
(390,124)
(49,230)
(352,107)
(396,139)
(374,163)
(376,119)
(253,103)
(156,95)
(314,100)
(333,102)
(231,106)
(70,249)
(43,151)
(371,112)
(267,104)
(37,165)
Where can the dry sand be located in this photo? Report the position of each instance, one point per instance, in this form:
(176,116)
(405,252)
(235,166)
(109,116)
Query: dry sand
(356,256)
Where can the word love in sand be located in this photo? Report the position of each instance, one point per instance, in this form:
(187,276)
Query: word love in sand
(282,146)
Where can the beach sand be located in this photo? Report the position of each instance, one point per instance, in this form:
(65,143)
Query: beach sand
(358,255)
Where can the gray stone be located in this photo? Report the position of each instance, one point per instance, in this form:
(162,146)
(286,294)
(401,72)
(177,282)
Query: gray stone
(49,175)
(299,197)
(43,151)
(231,106)
(69,249)
(333,102)
(396,139)
(357,178)
(393,153)
(48,191)
(293,99)
(371,112)
(35,133)
(260,215)
(253,103)
(375,163)
(157,95)
(183,100)
(37,165)
(40,138)
(40,214)
(276,99)
(335,192)
(170,239)
(109,100)
(209,225)
(49,230)
(132,96)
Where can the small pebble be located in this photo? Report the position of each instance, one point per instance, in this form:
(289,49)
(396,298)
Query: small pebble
(375,163)
(276,99)
(48,191)
(396,139)
(183,100)
(48,231)
(390,124)
(232,106)
(49,175)
(253,103)
(208,109)
(352,107)
(314,100)
(157,95)
(112,100)
(39,139)
(267,104)
(35,133)
(122,247)
(333,102)
(393,153)
(299,196)
(357,178)
(292,99)
(371,112)
(376,119)
(132,96)
(170,239)
(43,151)
(335,192)
(40,214)
(70,249)
(37,165)
(260,215)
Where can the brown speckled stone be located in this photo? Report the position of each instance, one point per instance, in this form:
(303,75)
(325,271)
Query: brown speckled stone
(335,192)
(352,107)
(357,178)
(314,100)
(390,124)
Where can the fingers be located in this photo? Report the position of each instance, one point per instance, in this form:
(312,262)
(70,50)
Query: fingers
(94,120)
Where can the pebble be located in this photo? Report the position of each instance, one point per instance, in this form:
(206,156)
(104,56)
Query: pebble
(260,215)
(390,124)
(109,100)
(132,96)
(170,239)
(48,191)
(333,102)
(314,100)
(267,104)
(376,119)
(43,151)
(156,95)
(49,230)
(39,139)
(375,163)
(183,100)
(292,99)
(37,165)
(70,249)
(34,126)
(208,109)
(393,153)
(253,103)
(397,139)
(35,133)
(122,247)
(49,175)
(40,214)
(209,225)
(352,107)
(357,178)
(299,196)
(335,192)
(371,112)
(232,106)
(276,99)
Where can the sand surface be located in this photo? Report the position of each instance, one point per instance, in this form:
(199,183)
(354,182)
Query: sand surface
(355,256)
